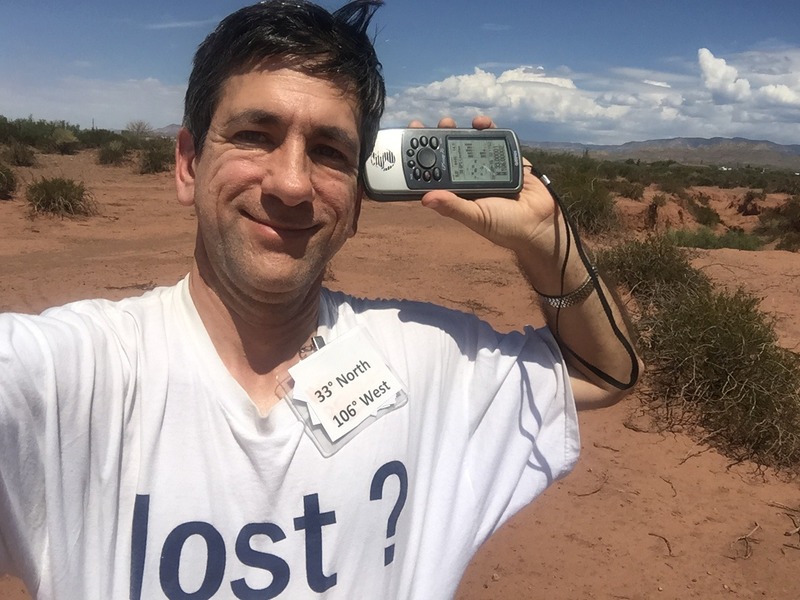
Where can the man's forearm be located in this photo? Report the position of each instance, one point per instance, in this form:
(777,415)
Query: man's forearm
(586,320)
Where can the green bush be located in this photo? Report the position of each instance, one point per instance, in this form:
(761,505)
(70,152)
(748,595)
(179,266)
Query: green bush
(62,197)
(717,364)
(713,358)
(789,241)
(783,224)
(157,155)
(8,182)
(112,153)
(702,213)
(672,185)
(582,186)
(95,138)
(651,268)
(627,189)
(705,238)
(64,141)
(19,154)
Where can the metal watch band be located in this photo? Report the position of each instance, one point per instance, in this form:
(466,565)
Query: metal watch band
(579,295)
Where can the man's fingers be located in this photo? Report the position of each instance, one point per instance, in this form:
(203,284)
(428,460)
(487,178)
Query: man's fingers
(479,122)
(450,205)
(483,122)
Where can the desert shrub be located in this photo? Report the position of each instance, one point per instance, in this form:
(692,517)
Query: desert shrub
(782,223)
(40,134)
(716,364)
(707,239)
(139,128)
(652,268)
(139,135)
(64,141)
(112,153)
(582,188)
(19,154)
(157,155)
(702,213)
(8,182)
(627,189)
(748,205)
(95,138)
(713,358)
(789,241)
(62,197)
(589,203)
(672,185)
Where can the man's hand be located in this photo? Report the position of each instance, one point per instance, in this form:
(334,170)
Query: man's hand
(515,225)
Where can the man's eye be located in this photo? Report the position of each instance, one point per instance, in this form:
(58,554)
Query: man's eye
(251,137)
(330,152)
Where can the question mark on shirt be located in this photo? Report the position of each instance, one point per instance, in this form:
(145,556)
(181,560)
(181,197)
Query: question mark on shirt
(376,493)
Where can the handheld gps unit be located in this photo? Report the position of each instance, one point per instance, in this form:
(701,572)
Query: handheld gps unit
(407,163)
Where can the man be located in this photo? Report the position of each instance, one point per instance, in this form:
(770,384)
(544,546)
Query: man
(171,445)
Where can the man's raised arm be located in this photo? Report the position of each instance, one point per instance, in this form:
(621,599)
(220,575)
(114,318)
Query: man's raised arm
(587,322)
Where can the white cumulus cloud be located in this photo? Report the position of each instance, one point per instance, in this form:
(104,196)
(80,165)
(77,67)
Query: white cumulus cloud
(754,94)
(721,79)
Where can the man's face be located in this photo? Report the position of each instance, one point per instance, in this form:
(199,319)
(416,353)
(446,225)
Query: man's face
(276,185)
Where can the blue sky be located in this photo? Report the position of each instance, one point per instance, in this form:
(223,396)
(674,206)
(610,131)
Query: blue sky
(591,71)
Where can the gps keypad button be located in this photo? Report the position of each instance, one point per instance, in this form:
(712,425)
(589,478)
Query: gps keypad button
(426,158)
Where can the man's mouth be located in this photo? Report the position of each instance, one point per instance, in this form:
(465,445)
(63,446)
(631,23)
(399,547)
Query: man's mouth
(284,229)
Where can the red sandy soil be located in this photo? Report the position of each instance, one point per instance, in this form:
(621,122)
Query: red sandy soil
(644,515)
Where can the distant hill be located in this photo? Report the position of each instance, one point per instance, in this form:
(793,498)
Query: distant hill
(709,151)
(168,131)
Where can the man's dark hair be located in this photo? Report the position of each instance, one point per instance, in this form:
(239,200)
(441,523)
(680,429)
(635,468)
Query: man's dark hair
(310,38)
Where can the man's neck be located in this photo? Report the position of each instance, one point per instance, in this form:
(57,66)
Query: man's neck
(257,340)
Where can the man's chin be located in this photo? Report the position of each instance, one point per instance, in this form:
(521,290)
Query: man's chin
(292,283)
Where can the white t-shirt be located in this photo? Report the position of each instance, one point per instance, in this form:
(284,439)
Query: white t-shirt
(133,465)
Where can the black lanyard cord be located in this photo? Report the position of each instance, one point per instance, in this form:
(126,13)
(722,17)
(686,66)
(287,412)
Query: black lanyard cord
(572,232)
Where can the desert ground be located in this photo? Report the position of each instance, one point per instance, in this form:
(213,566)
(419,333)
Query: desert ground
(645,514)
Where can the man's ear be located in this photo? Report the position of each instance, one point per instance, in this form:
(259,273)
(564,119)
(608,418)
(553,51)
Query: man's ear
(185,155)
(357,211)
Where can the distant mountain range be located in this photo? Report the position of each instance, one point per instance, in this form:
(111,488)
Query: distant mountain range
(714,151)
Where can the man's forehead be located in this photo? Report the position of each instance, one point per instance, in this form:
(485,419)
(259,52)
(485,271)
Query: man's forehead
(309,66)
(336,87)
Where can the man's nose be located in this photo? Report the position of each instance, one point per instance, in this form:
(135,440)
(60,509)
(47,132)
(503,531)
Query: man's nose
(289,174)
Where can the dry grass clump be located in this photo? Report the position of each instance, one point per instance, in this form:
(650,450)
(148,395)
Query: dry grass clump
(713,358)
(19,154)
(60,196)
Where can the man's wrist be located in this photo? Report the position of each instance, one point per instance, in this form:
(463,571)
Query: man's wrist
(575,297)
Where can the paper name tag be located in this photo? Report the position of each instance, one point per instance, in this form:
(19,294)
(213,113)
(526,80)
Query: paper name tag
(344,382)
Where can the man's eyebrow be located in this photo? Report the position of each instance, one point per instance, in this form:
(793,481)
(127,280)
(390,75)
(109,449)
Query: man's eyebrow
(253,116)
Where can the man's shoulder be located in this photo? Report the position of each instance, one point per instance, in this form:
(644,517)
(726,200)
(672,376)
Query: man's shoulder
(401,318)
(399,308)
(153,299)
(96,315)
